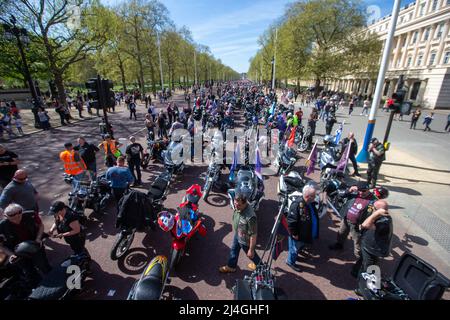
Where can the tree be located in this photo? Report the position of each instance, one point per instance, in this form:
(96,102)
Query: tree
(64,44)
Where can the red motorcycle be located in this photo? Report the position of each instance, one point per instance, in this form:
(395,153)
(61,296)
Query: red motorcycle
(183,225)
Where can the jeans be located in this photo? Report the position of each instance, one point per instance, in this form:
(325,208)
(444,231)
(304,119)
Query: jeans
(365,260)
(294,247)
(447,127)
(372,173)
(354,163)
(92,170)
(133,112)
(365,111)
(234,253)
(135,164)
(77,180)
(76,243)
(413,124)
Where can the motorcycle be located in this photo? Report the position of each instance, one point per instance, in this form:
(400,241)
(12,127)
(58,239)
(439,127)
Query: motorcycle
(171,164)
(183,225)
(306,141)
(156,195)
(260,285)
(289,186)
(328,159)
(247,180)
(59,283)
(152,282)
(211,178)
(286,159)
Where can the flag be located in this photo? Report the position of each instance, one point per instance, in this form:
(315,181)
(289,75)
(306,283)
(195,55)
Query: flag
(338,133)
(236,156)
(344,159)
(272,110)
(291,140)
(312,159)
(258,164)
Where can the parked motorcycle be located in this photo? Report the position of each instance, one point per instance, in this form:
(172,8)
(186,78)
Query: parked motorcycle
(64,280)
(156,195)
(173,158)
(247,181)
(306,141)
(152,282)
(286,159)
(183,225)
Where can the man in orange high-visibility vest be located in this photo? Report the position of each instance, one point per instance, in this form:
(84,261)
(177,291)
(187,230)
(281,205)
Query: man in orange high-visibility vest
(111,149)
(73,165)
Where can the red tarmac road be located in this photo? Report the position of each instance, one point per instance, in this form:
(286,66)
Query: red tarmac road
(326,275)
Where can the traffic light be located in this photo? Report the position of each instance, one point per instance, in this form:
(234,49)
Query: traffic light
(108,93)
(53,90)
(94,92)
(398,98)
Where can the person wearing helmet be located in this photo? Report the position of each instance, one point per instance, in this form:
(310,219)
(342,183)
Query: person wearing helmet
(245,234)
(376,158)
(19,226)
(330,121)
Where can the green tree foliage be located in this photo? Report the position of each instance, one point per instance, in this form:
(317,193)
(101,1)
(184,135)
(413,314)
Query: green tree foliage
(318,40)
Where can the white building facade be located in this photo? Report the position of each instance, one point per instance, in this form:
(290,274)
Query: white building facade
(420,52)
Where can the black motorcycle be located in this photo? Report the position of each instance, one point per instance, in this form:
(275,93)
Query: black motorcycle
(156,194)
(152,282)
(247,180)
(65,280)
(286,159)
(306,141)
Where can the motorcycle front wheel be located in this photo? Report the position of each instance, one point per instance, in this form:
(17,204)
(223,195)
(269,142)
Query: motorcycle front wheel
(121,245)
(206,189)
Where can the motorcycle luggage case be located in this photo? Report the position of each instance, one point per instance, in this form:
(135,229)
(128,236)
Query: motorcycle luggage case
(242,290)
(416,278)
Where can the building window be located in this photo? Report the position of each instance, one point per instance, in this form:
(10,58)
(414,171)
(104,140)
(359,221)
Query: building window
(415,90)
(408,64)
(404,42)
(427,33)
(435,5)
(422,9)
(410,17)
(447,57)
(432,58)
(386,88)
(414,39)
(401,20)
(440,30)
(419,60)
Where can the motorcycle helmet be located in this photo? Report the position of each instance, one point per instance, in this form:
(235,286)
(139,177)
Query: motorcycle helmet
(27,249)
(82,194)
(194,193)
(244,192)
(328,139)
(166,221)
(381,193)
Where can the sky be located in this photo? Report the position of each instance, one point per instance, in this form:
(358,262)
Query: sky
(230,28)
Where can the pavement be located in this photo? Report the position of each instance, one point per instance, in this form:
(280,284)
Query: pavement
(325,275)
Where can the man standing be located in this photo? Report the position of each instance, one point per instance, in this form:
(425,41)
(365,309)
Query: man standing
(245,228)
(8,165)
(353,151)
(331,120)
(73,165)
(132,107)
(427,121)
(356,210)
(120,178)
(111,149)
(135,153)
(415,118)
(365,109)
(376,238)
(20,191)
(303,224)
(87,152)
(376,158)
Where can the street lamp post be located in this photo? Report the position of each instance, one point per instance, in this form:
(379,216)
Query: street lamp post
(274,60)
(21,35)
(195,65)
(160,60)
(364,154)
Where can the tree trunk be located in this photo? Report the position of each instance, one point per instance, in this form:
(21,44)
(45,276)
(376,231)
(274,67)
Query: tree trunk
(122,72)
(317,88)
(139,59)
(152,74)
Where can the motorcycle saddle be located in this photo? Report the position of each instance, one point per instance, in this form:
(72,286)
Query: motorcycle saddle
(53,286)
(293,182)
(157,188)
(148,288)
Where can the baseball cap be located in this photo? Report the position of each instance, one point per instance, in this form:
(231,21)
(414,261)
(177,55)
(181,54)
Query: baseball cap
(56,206)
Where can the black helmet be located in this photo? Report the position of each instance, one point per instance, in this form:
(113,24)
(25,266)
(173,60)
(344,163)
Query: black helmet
(27,249)
(328,139)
